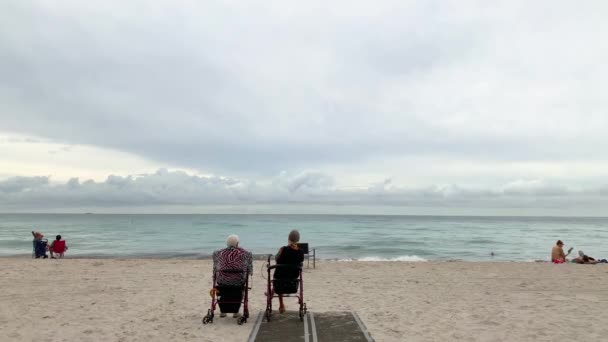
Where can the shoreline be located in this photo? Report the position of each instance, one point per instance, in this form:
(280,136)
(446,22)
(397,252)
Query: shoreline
(263,257)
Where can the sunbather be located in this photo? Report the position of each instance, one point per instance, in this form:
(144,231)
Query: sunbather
(585,259)
(557,253)
(289,255)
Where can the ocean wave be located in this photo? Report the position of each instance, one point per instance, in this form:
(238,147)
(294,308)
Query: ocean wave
(481,242)
(408,258)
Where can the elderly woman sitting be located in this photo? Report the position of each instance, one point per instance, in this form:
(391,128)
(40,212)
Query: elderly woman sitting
(230,284)
(288,255)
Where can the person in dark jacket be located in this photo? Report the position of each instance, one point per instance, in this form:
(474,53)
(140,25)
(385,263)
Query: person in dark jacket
(288,255)
(40,245)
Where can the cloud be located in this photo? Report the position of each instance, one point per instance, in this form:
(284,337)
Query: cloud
(178,188)
(404,103)
(304,182)
(255,89)
(23,184)
(535,187)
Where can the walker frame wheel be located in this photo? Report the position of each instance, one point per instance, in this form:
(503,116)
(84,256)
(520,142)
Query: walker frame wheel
(303,312)
(241,320)
(268,314)
(208,318)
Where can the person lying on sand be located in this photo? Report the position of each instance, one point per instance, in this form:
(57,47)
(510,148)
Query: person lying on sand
(557,253)
(585,259)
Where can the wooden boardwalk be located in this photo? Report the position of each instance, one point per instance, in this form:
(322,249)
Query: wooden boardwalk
(317,327)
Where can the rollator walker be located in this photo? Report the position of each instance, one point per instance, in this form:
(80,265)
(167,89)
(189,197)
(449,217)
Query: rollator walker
(287,287)
(229,305)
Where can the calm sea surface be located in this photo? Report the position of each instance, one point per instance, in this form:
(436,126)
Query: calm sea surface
(414,238)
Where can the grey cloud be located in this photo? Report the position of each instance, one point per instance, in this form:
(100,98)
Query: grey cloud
(23,184)
(306,181)
(535,187)
(172,188)
(269,87)
(20,140)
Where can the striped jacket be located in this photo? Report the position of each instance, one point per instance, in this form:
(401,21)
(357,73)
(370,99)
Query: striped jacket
(232,258)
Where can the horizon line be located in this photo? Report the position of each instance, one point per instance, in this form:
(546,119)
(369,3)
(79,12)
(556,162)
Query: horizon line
(303,214)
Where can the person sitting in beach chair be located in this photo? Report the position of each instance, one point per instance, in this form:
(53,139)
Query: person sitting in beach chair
(230,285)
(557,253)
(58,247)
(40,245)
(285,279)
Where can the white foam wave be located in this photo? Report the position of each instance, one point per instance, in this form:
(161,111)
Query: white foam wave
(408,258)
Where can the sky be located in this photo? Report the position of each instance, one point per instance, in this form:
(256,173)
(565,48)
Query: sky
(391,107)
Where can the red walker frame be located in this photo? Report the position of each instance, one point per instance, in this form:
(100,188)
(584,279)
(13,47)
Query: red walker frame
(214,300)
(270,291)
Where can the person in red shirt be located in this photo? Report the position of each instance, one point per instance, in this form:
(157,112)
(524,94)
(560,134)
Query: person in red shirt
(58,247)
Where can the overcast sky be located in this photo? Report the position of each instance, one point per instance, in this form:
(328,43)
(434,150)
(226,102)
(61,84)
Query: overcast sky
(466,107)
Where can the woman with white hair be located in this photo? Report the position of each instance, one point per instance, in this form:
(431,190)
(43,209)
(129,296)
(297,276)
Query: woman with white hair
(231,285)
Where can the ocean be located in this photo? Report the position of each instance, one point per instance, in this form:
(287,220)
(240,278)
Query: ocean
(335,237)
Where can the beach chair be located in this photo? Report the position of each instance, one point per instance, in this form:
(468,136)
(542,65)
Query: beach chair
(224,298)
(39,248)
(287,287)
(303,246)
(58,247)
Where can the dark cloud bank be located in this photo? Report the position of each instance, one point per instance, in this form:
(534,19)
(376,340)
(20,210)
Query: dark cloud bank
(177,188)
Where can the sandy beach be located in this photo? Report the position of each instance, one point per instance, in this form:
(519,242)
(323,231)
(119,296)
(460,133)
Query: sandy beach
(165,300)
